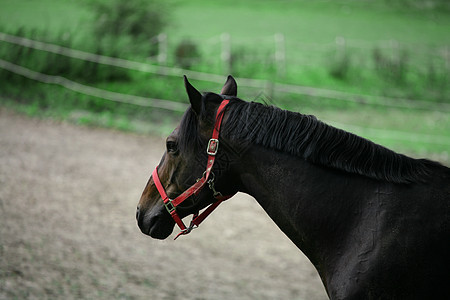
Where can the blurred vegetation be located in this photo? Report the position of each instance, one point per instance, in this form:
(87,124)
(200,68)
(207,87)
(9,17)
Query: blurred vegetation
(187,54)
(421,5)
(137,19)
(129,29)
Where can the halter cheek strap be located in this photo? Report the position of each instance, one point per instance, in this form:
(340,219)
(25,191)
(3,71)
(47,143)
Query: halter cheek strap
(171,205)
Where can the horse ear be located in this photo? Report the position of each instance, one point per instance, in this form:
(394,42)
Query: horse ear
(194,96)
(230,87)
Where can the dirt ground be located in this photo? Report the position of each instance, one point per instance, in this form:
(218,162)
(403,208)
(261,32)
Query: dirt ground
(68,196)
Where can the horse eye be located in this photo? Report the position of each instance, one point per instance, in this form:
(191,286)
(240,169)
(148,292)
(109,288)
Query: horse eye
(172,147)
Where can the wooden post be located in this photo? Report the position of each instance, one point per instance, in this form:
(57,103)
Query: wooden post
(447,57)
(340,47)
(394,50)
(269,88)
(280,54)
(162,48)
(226,52)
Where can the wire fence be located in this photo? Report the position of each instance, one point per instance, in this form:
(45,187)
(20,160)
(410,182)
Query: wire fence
(215,78)
(438,51)
(248,82)
(293,52)
(93,91)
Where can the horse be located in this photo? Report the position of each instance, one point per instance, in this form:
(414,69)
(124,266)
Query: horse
(374,223)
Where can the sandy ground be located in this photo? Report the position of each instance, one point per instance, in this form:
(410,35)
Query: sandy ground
(68,196)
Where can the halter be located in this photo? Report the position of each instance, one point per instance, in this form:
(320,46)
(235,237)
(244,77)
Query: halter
(171,204)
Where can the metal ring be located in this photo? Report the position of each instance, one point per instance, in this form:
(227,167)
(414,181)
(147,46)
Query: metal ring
(212,175)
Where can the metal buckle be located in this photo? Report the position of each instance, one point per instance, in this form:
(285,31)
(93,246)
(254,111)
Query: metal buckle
(213,188)
(169,206)
(186,231)
(213,146)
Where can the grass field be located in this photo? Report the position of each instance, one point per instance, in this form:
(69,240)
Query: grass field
(302,21)
(310,21)
(310,30)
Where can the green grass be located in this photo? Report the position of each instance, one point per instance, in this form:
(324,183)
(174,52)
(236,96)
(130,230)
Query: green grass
(310,21)
(45,14)
(252,25)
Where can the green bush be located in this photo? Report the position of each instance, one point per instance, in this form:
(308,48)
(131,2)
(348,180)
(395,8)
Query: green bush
(340,65)
(187,54)
(138,19)
(391,67)
(59,65)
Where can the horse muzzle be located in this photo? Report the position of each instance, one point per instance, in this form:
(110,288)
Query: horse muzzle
(156,223)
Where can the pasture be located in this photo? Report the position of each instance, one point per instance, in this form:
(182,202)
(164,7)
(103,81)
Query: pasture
(68,193)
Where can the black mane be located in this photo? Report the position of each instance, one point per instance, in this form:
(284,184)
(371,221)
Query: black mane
(307,137)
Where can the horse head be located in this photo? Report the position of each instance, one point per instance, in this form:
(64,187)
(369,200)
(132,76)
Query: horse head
(183,164)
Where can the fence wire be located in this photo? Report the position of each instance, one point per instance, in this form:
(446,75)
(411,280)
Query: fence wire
(93,91)
(215,78)
(176,106)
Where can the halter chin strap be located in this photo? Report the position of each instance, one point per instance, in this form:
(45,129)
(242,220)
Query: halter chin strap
(171,204)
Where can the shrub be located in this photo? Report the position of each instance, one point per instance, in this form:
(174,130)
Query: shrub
(59,65)
(340,65)
(187,54)
(391,67)
(140,19)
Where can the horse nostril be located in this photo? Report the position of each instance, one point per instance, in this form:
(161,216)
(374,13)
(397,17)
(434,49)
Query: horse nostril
(137,213)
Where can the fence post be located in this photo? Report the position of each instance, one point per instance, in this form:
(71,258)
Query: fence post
(162,48)
(280,54)
(226,52)
(394,50)
(269,89)
(340,47)
(447,57)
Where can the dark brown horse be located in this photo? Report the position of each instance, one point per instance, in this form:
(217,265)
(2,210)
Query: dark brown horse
(375,223)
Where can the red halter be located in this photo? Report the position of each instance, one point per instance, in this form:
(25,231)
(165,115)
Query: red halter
(171,205)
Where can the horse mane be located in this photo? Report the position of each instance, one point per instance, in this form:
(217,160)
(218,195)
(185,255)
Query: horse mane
(307,137)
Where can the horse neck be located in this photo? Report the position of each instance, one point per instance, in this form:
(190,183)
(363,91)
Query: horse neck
(312,205)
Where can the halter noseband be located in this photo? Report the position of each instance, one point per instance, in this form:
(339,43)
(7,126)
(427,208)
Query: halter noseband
(171,204)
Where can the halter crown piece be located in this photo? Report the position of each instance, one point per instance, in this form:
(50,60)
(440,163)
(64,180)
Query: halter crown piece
(171,204)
